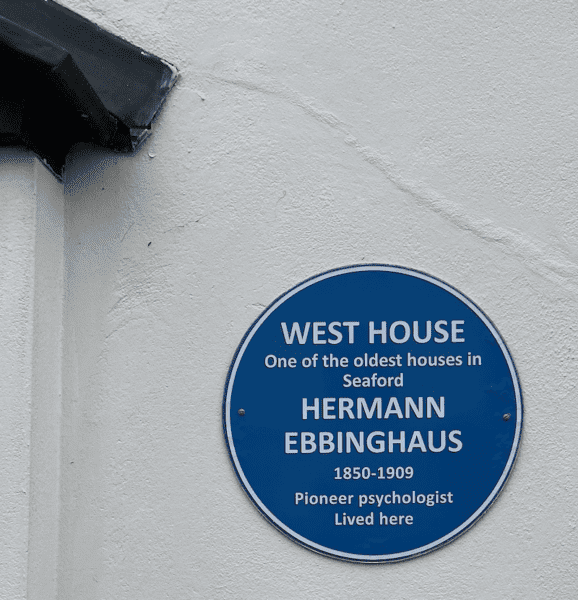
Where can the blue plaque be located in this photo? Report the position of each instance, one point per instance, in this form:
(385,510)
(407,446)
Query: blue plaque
(372,413)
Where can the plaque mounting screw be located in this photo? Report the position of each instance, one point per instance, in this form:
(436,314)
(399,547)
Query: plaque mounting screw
(506,417)
(241,411)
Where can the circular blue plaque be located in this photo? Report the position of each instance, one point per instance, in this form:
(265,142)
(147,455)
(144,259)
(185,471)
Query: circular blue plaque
(372,413)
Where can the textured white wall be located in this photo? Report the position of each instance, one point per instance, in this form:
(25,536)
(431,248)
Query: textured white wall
(303,136)
(46,415)
(17,211)
(31,294)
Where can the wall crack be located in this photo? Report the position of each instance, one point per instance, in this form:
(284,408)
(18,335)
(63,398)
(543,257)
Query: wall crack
(547,260)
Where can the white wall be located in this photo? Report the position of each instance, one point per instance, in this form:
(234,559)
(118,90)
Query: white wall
(17,211)
(304,136)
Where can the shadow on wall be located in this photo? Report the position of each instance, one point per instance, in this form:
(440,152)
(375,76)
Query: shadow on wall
(10,157)
(86,165)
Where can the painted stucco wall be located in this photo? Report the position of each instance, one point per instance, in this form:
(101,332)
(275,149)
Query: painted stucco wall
(300,137)
(17,210)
